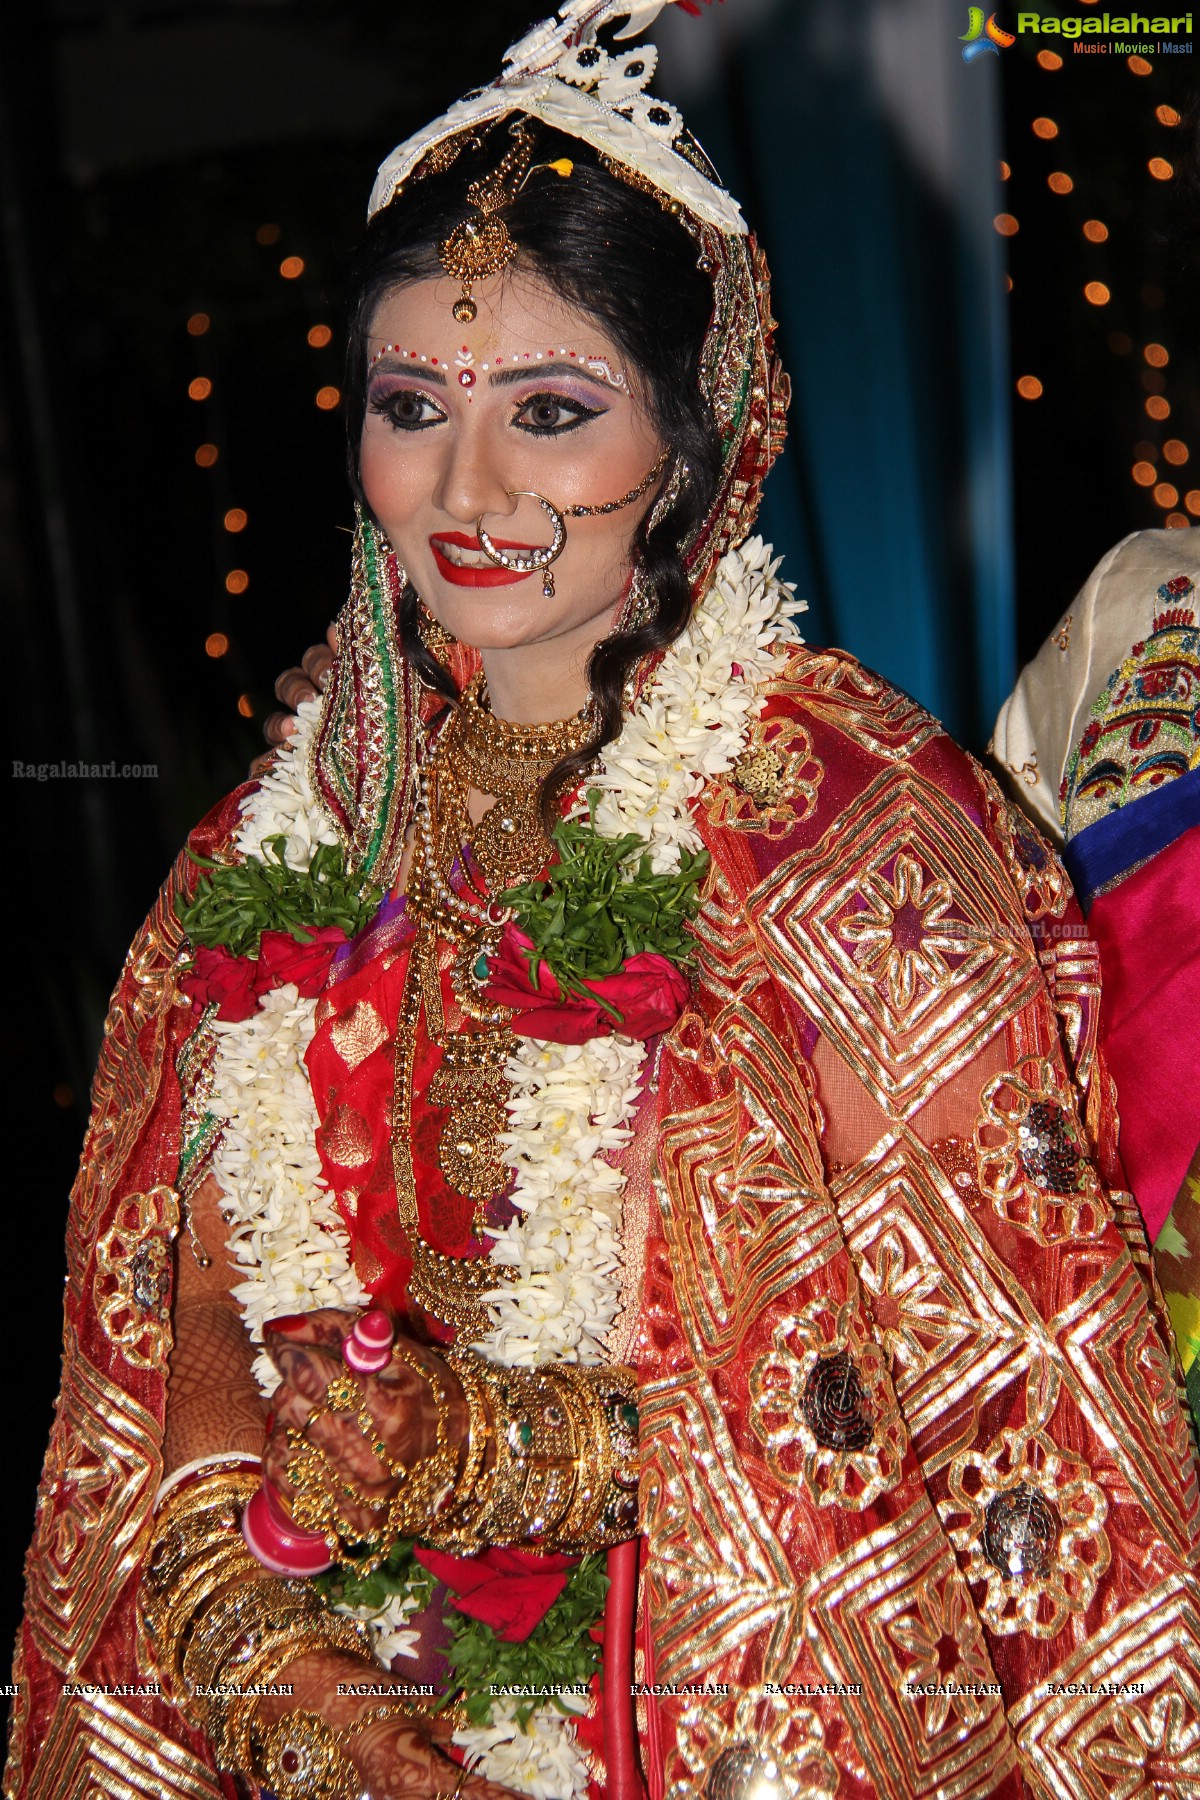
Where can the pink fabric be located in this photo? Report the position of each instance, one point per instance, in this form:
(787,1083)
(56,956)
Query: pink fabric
(1148,930)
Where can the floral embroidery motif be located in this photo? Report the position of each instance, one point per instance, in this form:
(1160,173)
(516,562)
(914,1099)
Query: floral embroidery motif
(902,934)
(772,1747)
(1030,1522)
(1152,1753)
(942,1636)
(773,784)
(1033,1159)
(823,1390)
(900,1289)
(1141,732)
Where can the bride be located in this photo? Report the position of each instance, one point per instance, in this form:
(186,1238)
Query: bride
(600,1263)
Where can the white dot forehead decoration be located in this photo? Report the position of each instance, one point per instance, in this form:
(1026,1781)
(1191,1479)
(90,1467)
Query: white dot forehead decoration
(464,361)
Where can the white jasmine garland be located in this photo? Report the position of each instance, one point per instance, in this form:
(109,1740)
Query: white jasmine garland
(542,1760)
(570,1106)
(285,1230)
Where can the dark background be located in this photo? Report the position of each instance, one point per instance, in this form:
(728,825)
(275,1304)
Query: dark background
(161,160)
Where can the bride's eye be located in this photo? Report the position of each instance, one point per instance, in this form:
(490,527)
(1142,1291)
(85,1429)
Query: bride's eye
(551,414)
(406,409)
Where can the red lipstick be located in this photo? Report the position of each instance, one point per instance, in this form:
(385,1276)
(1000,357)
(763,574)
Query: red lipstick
(484,575)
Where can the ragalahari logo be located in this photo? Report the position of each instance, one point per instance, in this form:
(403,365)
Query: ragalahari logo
(983,36)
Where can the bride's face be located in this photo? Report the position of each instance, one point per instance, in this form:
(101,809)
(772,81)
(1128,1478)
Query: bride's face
(531,395)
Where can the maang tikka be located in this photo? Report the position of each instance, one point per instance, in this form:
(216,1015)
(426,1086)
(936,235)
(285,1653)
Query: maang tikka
(478,247)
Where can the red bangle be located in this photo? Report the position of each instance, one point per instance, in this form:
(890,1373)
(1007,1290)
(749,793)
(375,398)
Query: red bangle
(278,1542)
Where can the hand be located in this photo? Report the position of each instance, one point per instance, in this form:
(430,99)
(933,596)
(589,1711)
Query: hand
(293,687)
(397,1758)
(307,1351)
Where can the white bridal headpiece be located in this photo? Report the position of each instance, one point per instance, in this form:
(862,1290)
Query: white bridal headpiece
(558,73)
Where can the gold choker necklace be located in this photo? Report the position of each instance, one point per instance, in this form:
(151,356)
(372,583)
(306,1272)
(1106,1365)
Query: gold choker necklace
(508,762)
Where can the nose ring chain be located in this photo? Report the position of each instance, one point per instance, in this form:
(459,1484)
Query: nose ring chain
(541,558)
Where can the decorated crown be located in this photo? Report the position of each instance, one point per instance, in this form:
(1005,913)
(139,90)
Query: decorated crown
(560,74)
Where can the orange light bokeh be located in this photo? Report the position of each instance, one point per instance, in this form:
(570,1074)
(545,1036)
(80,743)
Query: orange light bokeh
(216,644)
(1157,355)
(1059,182)
(1166,115)
(1145,474)
(267,234)
(198,324)
(245,706)
(1166,496)
(1006,225)
(1096,294)
(1008,284)
(1176,521)
(1160,168)
(1139,66)
(1045,128)
(1192,501)
(237,581)
(206,456)
(199,388)
(1176,451)
(291,267)
(1158,408)
(236,519)
(319,336)
(1005,171)
(1095,231)
(1049,59)
(328,397)
(1030,388)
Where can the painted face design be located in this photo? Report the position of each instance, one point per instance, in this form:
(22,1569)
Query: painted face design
(468,367)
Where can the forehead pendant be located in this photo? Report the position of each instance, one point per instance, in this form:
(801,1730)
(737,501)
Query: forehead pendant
(480,245)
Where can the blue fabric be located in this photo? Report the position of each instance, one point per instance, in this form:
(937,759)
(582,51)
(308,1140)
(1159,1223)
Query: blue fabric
(1113,845)
(892,502)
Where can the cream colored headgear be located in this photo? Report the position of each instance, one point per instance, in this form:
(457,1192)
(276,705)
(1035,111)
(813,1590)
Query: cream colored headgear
(559,73)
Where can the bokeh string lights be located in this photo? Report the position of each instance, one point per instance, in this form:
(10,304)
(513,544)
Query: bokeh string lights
(233,580)
(1111,215)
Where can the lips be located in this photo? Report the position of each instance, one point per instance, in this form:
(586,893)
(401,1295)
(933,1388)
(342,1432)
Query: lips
(479,572)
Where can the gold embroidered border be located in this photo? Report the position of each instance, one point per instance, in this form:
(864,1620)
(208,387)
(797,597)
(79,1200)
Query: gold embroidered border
(718,1577)
(855,1608)
(96,1749)
(102,1469)
(902,1054)
(1088,1745)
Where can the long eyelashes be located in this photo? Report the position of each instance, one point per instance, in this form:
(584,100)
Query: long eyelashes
(545,414)
(391,404)
(577,414)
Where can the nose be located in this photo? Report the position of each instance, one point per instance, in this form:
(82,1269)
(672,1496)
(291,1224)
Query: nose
(470,481)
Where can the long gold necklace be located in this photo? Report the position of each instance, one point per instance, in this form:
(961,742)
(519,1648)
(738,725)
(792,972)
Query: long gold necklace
(509,762)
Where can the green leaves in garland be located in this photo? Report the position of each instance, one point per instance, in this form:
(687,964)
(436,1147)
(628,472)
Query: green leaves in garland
(558,1653)
(592,913)
(234,903)
(400,1573)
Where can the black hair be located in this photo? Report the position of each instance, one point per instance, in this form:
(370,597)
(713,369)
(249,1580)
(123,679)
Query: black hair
(614,252)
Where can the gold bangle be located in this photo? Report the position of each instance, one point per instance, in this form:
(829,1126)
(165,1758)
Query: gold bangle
(565,1470)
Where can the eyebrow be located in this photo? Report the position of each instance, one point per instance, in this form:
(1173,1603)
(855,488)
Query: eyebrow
(506,377)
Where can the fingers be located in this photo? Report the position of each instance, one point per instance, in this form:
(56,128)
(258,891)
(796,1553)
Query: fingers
(279,727)
(293,687)
(316,663)
(331,637)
